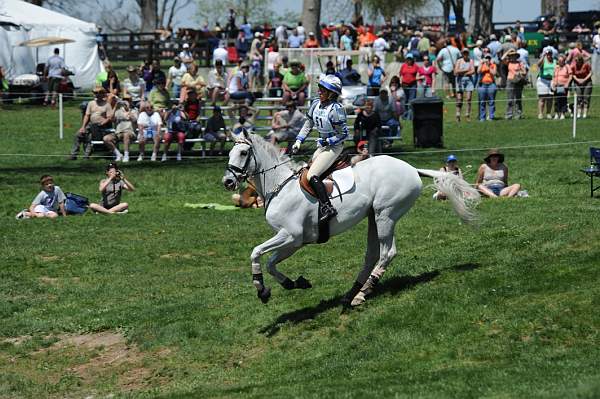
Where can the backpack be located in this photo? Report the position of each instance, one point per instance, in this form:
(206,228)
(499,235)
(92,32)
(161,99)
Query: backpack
(76,204)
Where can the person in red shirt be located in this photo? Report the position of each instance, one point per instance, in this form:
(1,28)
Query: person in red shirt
(426,76)
(408,79)
(582,77)
(312,41)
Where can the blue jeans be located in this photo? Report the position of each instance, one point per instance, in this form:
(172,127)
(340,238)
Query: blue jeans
(487,96)
(410,93)
(393,124)
(243,95)
(176,91)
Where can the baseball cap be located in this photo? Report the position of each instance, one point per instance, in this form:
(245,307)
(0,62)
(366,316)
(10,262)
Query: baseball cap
(410,56)
(185,45)
(451,158)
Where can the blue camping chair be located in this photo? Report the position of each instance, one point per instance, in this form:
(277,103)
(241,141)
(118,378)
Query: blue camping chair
(594,169)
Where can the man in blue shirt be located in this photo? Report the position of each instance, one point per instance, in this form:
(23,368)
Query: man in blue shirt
(294,40)
(349,75)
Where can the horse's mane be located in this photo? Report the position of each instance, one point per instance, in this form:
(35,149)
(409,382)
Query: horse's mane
(276,156)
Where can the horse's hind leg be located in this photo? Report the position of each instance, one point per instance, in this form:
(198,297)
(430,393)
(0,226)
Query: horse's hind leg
(371,258)
(387,252)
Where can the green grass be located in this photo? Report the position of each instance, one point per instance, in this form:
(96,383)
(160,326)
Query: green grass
(509,310)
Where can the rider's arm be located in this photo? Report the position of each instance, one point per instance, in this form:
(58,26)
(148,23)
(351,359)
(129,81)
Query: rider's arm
(308,123)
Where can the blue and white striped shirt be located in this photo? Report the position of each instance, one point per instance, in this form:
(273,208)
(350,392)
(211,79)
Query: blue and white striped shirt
(329,120)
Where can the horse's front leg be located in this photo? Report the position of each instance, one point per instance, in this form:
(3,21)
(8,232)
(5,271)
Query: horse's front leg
(283,239)
(277,257)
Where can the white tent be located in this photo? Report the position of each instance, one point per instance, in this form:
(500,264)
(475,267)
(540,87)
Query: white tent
(21,21)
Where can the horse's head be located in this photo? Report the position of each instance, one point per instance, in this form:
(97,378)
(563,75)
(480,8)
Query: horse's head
(242,163)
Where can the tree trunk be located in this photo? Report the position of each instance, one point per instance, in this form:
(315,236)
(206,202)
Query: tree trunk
(446,11)
(459,7)
(481,17)
(357,9)
(148,14)
(311,15)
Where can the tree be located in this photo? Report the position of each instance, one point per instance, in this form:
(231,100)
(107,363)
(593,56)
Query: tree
(555,7)
(389,8)
(481,16)
(311,15)
(459,12)
(218,10)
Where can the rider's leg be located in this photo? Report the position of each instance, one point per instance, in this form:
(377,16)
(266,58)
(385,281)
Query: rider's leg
(323,158)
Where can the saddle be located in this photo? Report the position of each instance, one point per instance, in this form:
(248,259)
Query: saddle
(343,161)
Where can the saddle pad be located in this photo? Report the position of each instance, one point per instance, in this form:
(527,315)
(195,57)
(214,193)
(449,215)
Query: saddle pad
(344,179)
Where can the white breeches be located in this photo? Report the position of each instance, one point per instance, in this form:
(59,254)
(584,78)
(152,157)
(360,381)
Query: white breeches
(323,158)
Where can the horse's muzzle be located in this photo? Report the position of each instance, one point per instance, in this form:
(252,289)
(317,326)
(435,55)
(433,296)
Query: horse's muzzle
(229,183)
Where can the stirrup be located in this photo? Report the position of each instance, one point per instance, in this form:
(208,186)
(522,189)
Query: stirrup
(327,212)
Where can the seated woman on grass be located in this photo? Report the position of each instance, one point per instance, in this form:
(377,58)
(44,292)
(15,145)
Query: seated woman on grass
(111,189)
(492,177)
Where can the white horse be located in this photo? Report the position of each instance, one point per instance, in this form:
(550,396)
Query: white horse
(385,189)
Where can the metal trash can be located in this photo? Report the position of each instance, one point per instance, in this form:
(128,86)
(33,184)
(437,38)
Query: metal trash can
(428,121)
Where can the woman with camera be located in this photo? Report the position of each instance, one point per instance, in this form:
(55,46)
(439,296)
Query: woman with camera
(111,189)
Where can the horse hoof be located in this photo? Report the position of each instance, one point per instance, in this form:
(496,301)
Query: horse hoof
(358,300)
(302,283)
(264,294)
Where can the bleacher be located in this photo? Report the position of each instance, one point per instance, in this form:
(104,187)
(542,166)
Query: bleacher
(262,122)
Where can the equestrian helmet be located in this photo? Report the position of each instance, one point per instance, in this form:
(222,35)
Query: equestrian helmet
(331,83)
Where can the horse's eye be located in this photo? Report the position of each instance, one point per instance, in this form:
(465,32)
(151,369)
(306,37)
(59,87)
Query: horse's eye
(244,153)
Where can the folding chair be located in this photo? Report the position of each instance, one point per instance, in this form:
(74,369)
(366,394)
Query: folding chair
(594,169)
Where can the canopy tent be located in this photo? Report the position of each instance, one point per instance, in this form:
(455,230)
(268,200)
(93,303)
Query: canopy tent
(22,22)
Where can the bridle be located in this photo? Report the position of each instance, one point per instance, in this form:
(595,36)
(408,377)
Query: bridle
(241,174)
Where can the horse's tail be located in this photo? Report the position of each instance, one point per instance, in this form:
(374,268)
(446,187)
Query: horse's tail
(463,197)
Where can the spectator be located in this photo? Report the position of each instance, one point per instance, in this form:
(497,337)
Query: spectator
(246,27)
(48,203)
(301,31)
(477,55)
(397,95)
(516,80)
(495,48)
(176,127)
(312,41)
(363,152)
(153,74)
(133,86)
(216,130)
(523,55)
(546,66)
(408,79)
(349,76)
(286,125)
(367,126)
(412,47)
(239,85)
(192,107)
(149,128)
(487,88)
(446,59)
(54,72)
(596,42)
(426,76)
(186,56)
(330,69)
(464,71)
(112,84)
(272,55)
(257,50)
(380,46)
(192,80)
(97,117)
(294,40)
(241,45)
(274,85)
(450,167)
(492,177)
(346,41)
(424,45)
(281,35)
(576,52)
(103,75)
(111,189)
(174,76)
(582,79)
(217,83)
(246,119)
(125,117)
(385,108)
(230,27)
(294,84)
(221,54)
(159,97)
(376,75)
(100,40)
(561,81)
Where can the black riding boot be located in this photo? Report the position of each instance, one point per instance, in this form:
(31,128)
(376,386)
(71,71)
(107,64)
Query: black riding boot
(327,210)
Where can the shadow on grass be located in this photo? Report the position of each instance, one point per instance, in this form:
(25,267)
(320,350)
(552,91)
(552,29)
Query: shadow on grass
(390,286)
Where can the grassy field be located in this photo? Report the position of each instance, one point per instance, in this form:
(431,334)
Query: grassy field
(159,302)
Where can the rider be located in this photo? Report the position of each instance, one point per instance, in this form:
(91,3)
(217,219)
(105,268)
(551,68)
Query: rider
(329,118)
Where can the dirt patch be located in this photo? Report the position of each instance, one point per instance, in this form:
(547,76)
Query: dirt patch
(107,353)
(51,258)
(16,341)
(177,256)
(54,281)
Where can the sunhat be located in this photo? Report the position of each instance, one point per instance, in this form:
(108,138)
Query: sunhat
(492,152)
